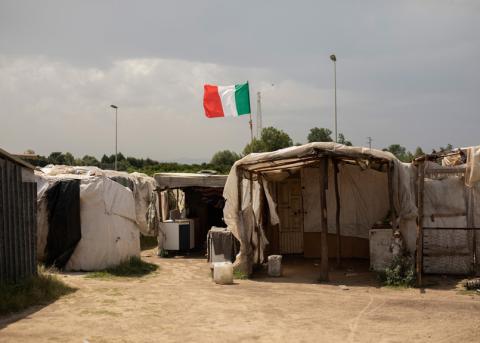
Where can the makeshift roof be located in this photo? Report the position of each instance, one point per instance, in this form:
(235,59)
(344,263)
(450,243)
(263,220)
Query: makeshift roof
(5,154)
(184,180)
(298,156)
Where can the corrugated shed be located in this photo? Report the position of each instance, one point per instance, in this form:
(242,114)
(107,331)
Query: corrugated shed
(18,223)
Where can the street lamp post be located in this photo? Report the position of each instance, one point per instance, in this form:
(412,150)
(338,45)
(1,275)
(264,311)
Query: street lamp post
(116,132)
(334,59)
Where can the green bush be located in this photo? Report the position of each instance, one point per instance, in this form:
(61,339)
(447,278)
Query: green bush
(400,273)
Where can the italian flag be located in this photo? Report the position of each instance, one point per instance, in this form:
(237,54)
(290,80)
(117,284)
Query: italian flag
(226,101)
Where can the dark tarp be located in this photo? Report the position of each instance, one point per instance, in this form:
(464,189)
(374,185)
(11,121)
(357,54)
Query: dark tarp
(64,230)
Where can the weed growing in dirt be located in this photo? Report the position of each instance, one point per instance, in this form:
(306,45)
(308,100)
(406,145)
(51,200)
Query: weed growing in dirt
(36,290)
(237,274)
(400,273)
(133,267)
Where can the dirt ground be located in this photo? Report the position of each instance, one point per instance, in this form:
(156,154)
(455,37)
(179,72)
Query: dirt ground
(180,303)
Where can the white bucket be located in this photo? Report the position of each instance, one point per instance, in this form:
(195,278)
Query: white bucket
(223,273)
(275,265)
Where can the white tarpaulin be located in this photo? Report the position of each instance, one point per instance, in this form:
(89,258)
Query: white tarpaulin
(147,213)
(108,222)
(353,183)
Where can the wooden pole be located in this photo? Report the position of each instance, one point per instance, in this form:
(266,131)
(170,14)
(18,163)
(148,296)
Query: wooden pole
(390,194)
(324,236)
(253,214)
(419,243)
(337,214)
(250,122)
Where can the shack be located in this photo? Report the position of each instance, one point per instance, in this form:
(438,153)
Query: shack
(91,219)
(202,204)
(18,192)
(448,221)
(317,200)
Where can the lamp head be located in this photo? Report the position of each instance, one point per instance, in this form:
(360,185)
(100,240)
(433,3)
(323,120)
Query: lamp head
(113,106)
(333,58)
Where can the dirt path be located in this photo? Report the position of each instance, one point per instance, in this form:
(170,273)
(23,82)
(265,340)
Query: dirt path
(181,304)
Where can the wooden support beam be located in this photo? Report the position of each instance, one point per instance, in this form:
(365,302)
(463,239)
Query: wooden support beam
(254,231)
(324,235)
(419,243)
(337,213)
(390,195)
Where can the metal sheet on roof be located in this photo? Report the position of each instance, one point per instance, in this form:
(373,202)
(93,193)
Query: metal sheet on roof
(15,159)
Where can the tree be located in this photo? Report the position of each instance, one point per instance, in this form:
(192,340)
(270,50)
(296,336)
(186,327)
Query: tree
(68,158)
(400,152)
(256,145)
(418,152)
(448,148)
(224,160)
(88,160)
(271,139)
(342,140)
(56,158)
(319,135)
(275,139)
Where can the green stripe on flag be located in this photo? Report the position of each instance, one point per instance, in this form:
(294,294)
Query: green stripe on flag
(242,99)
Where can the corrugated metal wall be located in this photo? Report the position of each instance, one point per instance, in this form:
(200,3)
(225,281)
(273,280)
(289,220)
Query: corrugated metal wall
(18,222)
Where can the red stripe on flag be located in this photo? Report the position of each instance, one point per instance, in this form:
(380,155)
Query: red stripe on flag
(211,102)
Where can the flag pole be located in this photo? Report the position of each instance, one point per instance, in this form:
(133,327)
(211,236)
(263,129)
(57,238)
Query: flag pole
(251,128)
(250,122)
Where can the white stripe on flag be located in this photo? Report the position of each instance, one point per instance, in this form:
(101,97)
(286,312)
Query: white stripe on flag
(227,97)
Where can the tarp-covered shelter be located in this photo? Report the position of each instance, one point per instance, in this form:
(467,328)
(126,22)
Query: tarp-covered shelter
(143,187)
(202,200)
(318,199)
(90,219)
(448,200)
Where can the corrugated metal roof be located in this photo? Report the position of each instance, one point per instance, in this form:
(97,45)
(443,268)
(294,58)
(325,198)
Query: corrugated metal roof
(5,154)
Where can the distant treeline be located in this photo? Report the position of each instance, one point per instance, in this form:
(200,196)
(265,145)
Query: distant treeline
(129,164)
(270,139)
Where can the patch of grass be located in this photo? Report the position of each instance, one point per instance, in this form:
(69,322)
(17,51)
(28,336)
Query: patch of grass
(239,275)
(37,290)
(133,267)
(400,273)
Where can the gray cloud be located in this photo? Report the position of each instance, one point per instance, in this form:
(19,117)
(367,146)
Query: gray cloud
(408,72)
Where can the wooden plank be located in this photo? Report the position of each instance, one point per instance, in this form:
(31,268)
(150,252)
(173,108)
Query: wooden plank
(420,203)
(390,195)
(323,201)
(337,213)
(254,231)
(444,170)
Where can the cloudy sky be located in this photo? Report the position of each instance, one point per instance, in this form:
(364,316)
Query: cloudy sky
(408,72)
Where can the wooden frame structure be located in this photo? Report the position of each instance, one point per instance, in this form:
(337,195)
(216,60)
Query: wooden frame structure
(425,171)
(320,159)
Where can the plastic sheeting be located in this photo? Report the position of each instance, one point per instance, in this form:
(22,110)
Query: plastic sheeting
(472,175)
(239,220)
(64,233)
(109,230)
(143,187)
